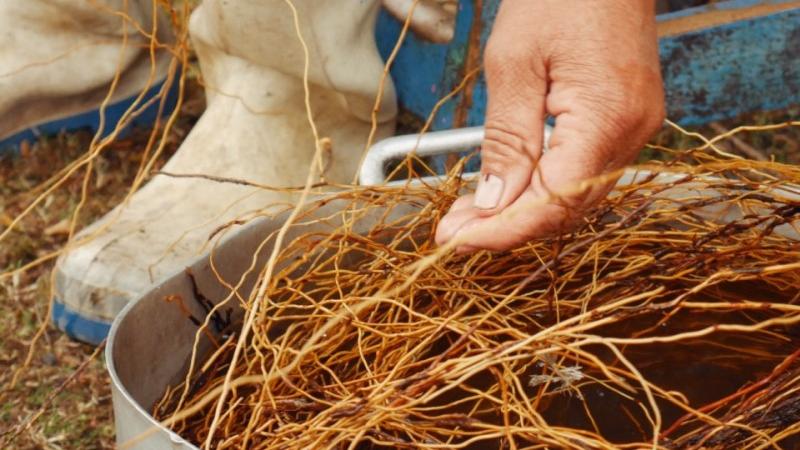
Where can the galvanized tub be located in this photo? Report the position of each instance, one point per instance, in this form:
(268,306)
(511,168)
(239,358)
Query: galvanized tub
(151,340)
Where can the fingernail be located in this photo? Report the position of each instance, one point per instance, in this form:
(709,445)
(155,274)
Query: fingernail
(488,192)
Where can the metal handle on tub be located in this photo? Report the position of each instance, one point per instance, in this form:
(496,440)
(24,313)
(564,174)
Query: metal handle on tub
(428,144)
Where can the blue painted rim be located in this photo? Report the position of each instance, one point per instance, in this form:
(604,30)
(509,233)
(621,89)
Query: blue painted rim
(91,119)
(77,326)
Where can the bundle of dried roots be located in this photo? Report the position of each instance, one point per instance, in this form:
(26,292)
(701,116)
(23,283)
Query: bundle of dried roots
(667,319)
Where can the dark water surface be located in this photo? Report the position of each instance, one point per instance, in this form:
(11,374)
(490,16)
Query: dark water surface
(704,370)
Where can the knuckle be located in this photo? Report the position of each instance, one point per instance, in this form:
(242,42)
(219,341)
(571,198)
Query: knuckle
(658,112)
(646,110)
(515,60)
(631,102)
(499,49)
(500,69)
(621,114)
(503,147)
(493,56)
(644,103)
(610,126)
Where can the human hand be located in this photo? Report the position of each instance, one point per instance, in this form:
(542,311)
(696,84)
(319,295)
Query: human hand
(594,67)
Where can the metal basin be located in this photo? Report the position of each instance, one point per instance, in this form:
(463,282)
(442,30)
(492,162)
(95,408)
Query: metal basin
(151,340)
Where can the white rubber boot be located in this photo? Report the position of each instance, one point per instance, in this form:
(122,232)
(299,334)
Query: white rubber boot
(59,57)
(254,128)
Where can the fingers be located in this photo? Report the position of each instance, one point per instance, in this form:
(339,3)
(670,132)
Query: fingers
(581,149)
(460,212)
(515,113)
(596,71)
(556,199)
(565,183)
(502,231)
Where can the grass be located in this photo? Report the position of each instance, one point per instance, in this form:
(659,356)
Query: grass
(80,416)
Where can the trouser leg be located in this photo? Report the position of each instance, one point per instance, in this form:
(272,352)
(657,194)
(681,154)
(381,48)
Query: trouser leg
(254,128)
(59,57)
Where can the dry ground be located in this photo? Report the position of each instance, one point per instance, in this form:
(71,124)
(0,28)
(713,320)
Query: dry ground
(80,417)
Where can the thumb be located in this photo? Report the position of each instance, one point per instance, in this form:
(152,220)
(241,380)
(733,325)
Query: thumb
(515,111)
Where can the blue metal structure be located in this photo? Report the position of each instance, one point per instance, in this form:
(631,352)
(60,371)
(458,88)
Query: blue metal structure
(718,61)
(90,120)
(733,68)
